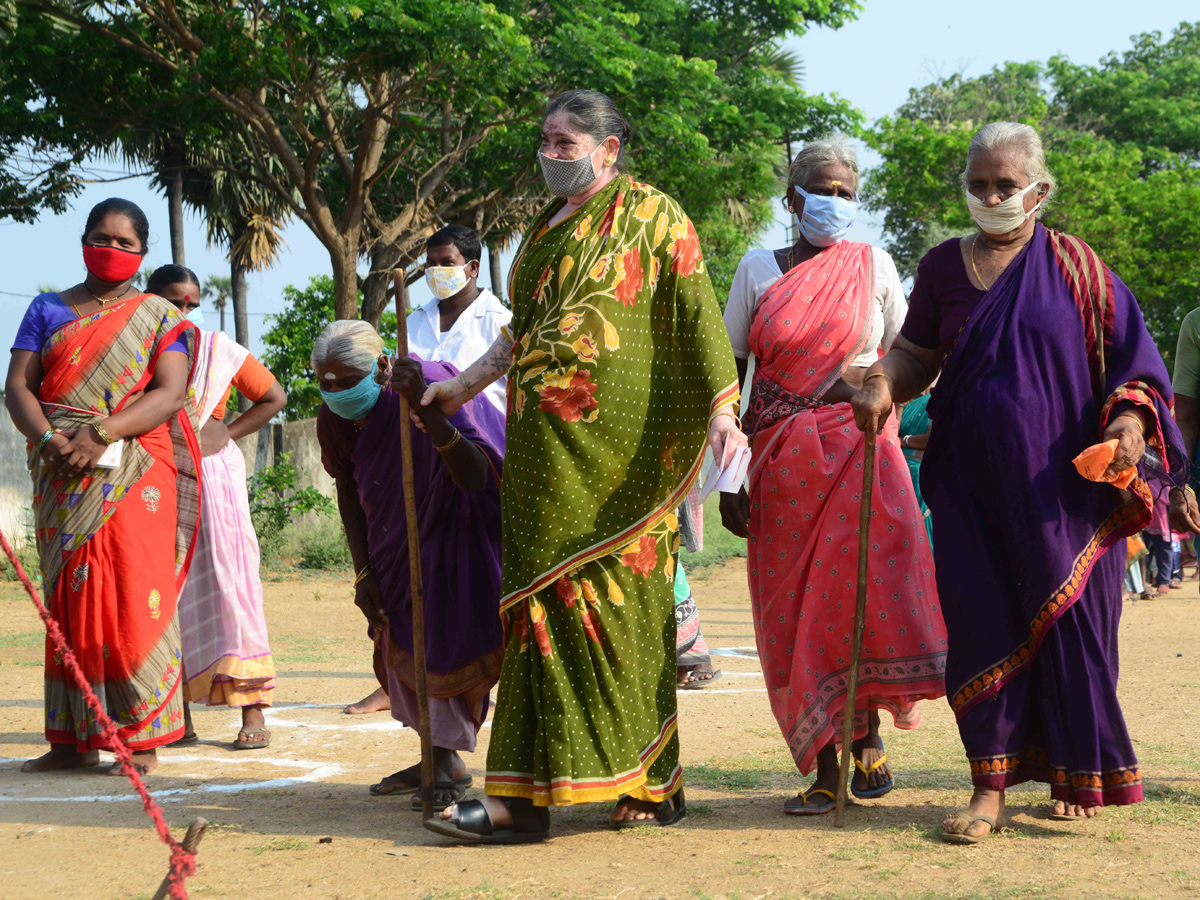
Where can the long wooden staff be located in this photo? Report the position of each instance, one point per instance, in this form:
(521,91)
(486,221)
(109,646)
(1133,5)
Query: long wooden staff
(860,622)
(414,558)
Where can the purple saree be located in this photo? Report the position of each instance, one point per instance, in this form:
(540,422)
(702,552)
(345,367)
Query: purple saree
(460,547)
(1031,597)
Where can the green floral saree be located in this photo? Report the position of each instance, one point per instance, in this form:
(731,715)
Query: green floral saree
(620,360)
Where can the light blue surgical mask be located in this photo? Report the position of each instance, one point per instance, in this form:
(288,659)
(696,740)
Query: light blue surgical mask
(826,220)
(356,402)
(196,317)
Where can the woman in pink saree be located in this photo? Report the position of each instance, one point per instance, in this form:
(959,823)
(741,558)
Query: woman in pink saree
(813,329)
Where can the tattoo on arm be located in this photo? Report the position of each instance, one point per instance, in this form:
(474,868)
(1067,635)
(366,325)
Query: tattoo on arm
(489,367)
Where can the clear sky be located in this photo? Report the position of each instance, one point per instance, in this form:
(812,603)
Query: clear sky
(893,46)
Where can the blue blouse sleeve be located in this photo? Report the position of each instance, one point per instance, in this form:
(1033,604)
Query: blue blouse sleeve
(37,324)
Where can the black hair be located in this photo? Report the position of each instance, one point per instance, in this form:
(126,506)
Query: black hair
(594,114)
(121,207)
(465,239)
(165,276)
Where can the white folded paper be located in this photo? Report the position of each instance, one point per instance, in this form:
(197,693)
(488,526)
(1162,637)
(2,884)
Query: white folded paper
(730,478)
(111,458)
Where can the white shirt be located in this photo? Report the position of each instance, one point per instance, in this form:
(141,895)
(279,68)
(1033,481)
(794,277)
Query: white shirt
(475,330)
(758,270)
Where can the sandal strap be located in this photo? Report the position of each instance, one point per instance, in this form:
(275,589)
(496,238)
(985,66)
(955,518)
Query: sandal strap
(472,816)
(830,794)
(875,765)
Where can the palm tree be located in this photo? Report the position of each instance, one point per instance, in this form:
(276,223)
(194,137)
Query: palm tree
(163,152)
(219,289)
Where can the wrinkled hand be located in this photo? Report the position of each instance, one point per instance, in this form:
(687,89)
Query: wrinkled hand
(872,405)
(450,395)
(735,513)
(369,600)
(1184,511)
(724,437)
(408,379)
(80,453)
(1127,430)
(213,437)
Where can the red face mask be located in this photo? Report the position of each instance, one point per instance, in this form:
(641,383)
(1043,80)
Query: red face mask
(111,264)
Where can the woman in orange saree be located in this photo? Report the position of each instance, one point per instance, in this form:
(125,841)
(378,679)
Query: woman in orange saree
(116,491)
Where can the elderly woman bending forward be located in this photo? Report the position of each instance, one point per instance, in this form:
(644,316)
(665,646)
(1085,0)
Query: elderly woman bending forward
(815,316)
(1042,353)
(456,463)
(619,367)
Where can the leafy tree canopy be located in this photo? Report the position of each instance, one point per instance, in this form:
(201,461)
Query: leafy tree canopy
(1120,137)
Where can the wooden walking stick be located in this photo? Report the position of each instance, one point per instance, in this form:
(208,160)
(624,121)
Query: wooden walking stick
(190,842)
(860,622)
(414,558)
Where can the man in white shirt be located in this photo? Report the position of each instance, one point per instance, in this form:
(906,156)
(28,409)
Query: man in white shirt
(462,320)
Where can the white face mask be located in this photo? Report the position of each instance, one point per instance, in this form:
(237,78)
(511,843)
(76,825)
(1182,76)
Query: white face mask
(1004,217)
(568,177)
(446,281)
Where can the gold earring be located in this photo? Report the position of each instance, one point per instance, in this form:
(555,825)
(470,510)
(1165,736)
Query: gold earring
(609,160)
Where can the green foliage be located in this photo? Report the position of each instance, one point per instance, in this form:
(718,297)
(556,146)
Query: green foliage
(275,502)
(375,122)
(289,341)
(325,548)
(1123,139)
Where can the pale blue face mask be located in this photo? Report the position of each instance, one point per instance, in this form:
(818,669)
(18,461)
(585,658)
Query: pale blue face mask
(356,402)
(196,317)
(826,220)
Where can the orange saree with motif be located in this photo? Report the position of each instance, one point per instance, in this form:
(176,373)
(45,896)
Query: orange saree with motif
(115,545)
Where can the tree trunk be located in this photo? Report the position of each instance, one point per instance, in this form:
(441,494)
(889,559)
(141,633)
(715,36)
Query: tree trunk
(175,202)
(345,284)
(384,258)
(495,271)
(222,317)
(241,324)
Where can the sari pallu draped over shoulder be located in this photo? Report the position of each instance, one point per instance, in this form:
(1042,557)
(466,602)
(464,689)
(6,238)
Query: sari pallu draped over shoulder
(620,362)
(115,546)
(805,492)
(1032,596)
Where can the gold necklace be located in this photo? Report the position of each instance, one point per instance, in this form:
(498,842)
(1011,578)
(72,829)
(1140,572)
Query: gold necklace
(978,277)
(105,300)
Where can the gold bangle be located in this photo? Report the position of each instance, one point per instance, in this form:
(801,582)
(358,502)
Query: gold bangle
(454,440)
(102,433)
(891,383)
(362,574)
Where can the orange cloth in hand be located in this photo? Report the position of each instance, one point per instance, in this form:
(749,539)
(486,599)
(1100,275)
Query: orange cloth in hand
(1093,462)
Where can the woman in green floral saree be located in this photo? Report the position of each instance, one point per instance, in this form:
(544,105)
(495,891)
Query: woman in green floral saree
(618,367)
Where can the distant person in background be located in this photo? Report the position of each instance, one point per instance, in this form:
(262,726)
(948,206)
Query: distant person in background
(1185,381)
(115,540)
(914,435)
(693,662)
(457,463)
(457,326)
(226,655)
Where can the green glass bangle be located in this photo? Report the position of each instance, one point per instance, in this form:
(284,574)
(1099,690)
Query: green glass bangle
(44,440)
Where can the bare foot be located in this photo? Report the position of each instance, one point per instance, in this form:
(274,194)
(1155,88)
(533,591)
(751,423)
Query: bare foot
(376,701)
(630,810)
(60,757)
(984,802)
(144,761)
(869,751)
(1074,810)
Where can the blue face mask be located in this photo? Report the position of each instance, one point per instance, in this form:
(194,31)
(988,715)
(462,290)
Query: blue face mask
(826,220)
(196,317)
(356,402)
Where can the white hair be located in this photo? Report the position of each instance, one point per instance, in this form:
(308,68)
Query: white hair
(830,148)
(1023,138)
(352,343)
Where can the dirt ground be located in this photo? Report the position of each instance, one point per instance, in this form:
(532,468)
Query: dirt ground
(83,835)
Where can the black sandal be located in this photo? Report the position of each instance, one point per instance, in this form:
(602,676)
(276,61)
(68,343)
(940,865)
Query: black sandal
(668,812)
(471,823)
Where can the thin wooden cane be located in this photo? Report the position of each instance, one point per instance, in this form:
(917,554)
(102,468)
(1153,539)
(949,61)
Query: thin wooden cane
(414,559)
(860,622)
(190,842)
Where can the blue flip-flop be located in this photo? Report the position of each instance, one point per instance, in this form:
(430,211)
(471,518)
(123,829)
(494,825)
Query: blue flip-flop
(871,793)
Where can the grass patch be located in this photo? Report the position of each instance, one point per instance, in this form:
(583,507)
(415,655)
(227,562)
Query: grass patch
(290,843)
(325,548)
(483,891)
(22,640)
(719,544)
(701,810)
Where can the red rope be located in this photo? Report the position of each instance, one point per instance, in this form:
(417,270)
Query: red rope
(183,864)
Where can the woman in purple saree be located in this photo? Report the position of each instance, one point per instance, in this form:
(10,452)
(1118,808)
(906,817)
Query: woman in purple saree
(457,464)
(1042,353)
